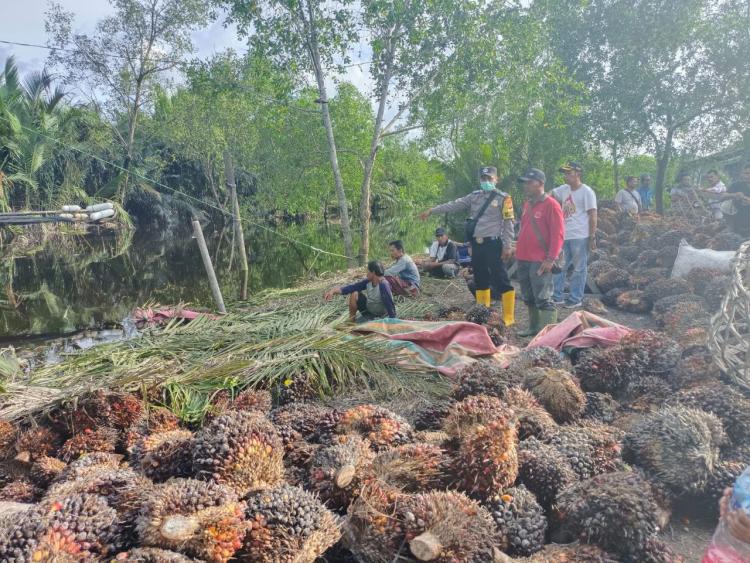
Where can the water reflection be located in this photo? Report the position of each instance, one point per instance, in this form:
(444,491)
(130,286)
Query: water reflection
(76,282)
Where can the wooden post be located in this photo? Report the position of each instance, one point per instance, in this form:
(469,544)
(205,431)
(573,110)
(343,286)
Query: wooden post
(239,235)
(212,281)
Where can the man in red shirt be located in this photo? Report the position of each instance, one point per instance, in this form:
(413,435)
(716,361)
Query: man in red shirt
(540,241)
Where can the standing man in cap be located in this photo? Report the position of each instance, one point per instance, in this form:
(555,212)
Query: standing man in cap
(645,191)
(540,242)
(578,202)
(491,228)
(443,260)
(628,199)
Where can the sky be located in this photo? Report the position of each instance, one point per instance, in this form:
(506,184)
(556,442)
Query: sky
(23,21)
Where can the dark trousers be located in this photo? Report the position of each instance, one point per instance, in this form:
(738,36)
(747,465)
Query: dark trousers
(536,290)
(489,269)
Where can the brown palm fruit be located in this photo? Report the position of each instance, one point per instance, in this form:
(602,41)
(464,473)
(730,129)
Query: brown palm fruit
(696,368)
(163,455)
(599,267)
(297,460)
(655,550)
(253,399)
(666,287)
(643,278)
(240,449)
(36,442)
(543,470)
(645,393)
(486,461)
(591,448)
(326,425)
(657,352)
(447,526)
(693,337)
(372,530)
(529,417)
(200,519)
(45,470)
(665,303)
(411,468)
(677,445)
(609,298)
(723,476)
(8,433)
(288,525)
(538,357)
(703,280)
(19,490)
(473,411)
(634,301)
(431,416)
(380,426)
(608,370)
(615,511)
(73,528)
(576,448)
(336,471)
(557,391)
(483,377)
(151,420)
(80,466)
(600,407)
(647,258)
(520,518)
(302,418)
(726,403)
(125,409)
(611,279)
(298,388)
(450,312)
(102,439)
(152,555)
(572,553)
(478,314)
(89,412)
(123,489)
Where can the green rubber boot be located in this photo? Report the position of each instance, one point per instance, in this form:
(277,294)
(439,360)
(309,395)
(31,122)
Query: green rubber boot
(547,317)
(533,322)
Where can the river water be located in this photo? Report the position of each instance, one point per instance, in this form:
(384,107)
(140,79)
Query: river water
(74,283)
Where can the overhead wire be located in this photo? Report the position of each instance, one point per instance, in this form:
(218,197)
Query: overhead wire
(176,191)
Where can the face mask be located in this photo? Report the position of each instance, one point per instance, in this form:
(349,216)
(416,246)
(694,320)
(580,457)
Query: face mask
(486,186)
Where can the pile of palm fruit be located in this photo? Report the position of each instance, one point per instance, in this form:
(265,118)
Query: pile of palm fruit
(633,262)
(544,460)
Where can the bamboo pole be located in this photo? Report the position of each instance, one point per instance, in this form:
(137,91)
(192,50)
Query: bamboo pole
(238,232)
(212,281)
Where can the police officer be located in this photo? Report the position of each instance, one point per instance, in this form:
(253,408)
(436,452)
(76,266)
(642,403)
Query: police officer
(492,240)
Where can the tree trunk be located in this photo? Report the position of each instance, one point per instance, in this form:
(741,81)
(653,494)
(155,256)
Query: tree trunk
(238,232)
(131,140)
(364,204)
(615,167)
(337,179)
(661,170)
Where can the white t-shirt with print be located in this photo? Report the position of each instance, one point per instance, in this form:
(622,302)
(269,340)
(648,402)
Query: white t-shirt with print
(576,205)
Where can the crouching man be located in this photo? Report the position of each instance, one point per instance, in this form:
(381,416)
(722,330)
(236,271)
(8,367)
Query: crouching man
(371,296)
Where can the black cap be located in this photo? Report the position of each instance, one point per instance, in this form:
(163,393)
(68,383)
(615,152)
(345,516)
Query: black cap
(439,232)
(570,166)
(533,174)
(488,171)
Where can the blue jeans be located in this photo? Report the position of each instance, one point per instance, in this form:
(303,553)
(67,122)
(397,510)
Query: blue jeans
(576,253)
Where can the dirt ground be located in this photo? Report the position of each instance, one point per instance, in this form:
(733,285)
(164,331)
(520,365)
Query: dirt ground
(690,530)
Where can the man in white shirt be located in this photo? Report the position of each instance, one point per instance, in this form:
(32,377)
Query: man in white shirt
(443,260)
(578,202)
(628,199)
(715,186)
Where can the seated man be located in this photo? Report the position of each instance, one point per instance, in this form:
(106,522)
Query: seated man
(442,262)
(403,274)
(371,296)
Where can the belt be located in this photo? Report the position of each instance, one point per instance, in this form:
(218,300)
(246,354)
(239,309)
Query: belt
(480,240)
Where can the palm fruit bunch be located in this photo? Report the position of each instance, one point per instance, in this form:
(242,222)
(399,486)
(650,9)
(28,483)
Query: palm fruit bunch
(286,525)
(529,417)
(696,367)
(538,357)
(297,420)
(634,301)
(543,470)
(683,316)
(572,553)
(724,475)
(611,279)
(36,442)
(577,449)
(629,252)
(297,388)
(430,417)
(662,305)
(153,419)
(600,407)
(380,426)
(647,258)
(726,240)
(103,408)
(478,314)
(240,449)
(655,550)
(247,400)
(78,527)
(596,267)
(645,393)
(483,377)
(448,526)
(657,352)
(372,530)
(645,277)
(19,490)
(101,439)
(123,489)
(520,518)
(677,445)
(197,518)
(451,313)
(666,287)
(726,403)
(326,425)
(410,468)
(81,466)
(8,433)
(152,555)
(615,511)
(436,437)
(607,370)
(45,470)
(297,458)
(163,455)
(703,280)
(605,440)
(739,452)
(473,411)
(486,461)
(610,297)
(336,471)
(557,391)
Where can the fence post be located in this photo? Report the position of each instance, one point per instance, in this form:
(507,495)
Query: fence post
(212,281)
(239,235)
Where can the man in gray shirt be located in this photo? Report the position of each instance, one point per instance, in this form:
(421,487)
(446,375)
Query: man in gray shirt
(492,239)
(403,274)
